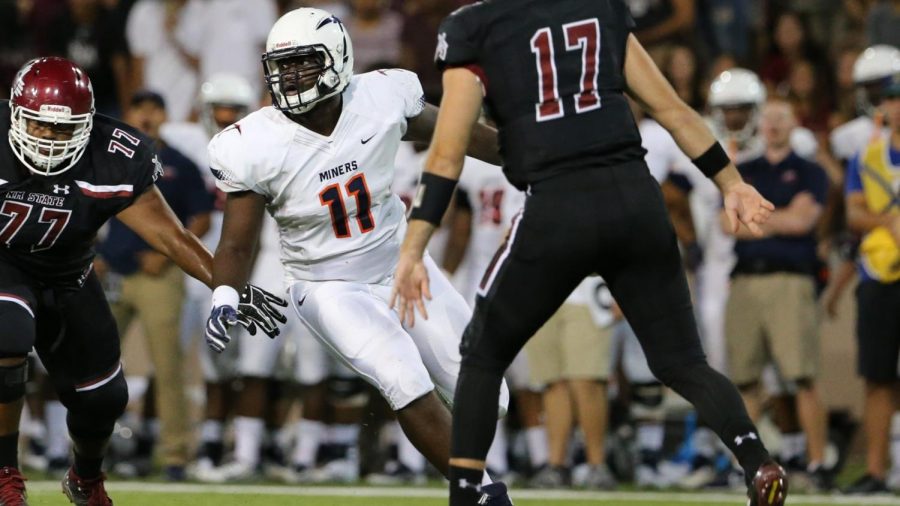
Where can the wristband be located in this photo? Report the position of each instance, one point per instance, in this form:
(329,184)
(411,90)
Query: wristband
(225,295)
(713,161)
(432,198)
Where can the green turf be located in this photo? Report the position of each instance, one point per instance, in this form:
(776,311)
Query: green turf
(145,499)
(156,499)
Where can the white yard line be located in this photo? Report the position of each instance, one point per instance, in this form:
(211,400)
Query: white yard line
(437,493)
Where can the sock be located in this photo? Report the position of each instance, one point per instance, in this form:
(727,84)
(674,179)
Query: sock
(538,449)
(309,437)
(409,456)
(248,434)
(9,450)
(58,442)
(793,445)
(465,486)
(486,478)
(86,467)
(895,441)
(496,458)
(650,437)
(211,430)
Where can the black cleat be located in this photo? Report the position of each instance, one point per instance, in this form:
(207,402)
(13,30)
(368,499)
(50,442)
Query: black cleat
(495,494)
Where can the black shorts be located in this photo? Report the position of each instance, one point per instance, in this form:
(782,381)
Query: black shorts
(878,330)
(611,221)
(75,333)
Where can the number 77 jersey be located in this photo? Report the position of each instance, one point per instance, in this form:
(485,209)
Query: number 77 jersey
(552,71)
(330,195)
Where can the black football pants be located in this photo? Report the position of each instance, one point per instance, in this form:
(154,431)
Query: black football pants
(610,221)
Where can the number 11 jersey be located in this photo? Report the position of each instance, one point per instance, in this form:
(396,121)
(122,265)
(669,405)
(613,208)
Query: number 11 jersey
(330,195)
(552,71)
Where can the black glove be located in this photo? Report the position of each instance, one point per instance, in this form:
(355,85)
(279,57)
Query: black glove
(259,308)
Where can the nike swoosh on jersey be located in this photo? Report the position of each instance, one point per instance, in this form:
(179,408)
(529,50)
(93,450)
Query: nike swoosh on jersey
(367,140)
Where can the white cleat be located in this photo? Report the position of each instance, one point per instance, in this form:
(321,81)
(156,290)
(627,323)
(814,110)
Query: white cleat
(232,471)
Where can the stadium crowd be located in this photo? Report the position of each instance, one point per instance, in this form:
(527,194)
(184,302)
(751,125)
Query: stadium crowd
(804,93)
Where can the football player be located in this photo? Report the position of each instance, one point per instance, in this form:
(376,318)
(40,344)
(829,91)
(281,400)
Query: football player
(555,74)
(64,172)
(321,161)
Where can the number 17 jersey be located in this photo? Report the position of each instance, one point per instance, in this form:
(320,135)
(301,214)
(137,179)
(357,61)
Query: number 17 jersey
(553,77)
(330,195)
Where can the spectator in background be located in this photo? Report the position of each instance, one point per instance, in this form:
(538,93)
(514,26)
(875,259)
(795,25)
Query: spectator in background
(845,88)
(790,43)
(420,25)
(658,21)
(227,36)
(159,60)
(17,44)
(152,287)
(726,26)
(569,356)
(337,7)
(883,23)
(92,35)
(872,209)
(681,69)
(810,97)
(376,31)
(771,311)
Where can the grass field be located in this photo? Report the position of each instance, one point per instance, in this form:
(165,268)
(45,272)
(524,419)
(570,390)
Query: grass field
(155,494)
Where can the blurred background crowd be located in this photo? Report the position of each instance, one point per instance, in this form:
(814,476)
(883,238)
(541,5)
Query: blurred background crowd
(288,413)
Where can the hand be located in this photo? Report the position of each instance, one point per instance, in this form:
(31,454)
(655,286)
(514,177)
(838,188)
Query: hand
(257,309)
(831,300)
(410,286)
(743,204)
(220,319)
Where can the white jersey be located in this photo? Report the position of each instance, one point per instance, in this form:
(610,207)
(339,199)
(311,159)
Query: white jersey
(409,164)
(850,138)
(330,195)
(494,201)
(663,154)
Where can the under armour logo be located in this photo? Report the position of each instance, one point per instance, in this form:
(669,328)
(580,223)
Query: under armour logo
(466,484)
(61,189)
(442,47)
(739,440)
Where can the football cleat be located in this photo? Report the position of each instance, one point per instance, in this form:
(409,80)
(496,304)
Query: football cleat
(769,486)
(12,487)
(495,494)
(85,492)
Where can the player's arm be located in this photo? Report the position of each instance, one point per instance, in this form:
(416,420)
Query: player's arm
(153,220)
(458,115)
(483,144)
(646,84)
(240,234)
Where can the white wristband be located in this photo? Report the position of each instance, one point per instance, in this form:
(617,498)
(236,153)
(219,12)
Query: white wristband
(225,296)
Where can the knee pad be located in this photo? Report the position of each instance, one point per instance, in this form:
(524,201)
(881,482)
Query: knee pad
(95,410)
(12,382)
(347,392)
(18,328)
(647,401)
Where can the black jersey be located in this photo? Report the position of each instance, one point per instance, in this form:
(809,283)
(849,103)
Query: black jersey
(554,80)
(48,224)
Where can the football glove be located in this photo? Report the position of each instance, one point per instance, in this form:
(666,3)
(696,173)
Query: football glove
(259,308)
(220,320)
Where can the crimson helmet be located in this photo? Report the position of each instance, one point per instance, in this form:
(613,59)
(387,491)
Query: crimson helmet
(50,90)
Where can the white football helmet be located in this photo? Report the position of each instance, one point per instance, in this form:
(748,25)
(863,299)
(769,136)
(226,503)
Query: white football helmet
(870,71)
(230,90)
(735,88)
(307,32)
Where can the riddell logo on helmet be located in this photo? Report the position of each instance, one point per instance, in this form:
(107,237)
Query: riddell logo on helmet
(59,109)
(280,45)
